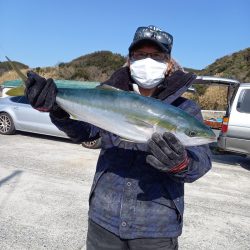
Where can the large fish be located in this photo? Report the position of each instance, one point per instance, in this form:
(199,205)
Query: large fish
(130,115)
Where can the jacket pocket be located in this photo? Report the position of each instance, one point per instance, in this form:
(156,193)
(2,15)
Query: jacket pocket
(180,208)
(161,213)
(165,202)
(171,204)
(175,193)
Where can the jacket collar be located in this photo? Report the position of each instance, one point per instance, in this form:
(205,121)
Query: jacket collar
(169,90)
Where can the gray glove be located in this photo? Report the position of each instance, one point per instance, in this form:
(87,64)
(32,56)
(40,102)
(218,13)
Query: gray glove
(41,94)
(168,153)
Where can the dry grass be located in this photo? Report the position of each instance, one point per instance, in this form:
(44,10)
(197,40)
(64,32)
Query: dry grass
(45,72)
(215,98)
(10,75)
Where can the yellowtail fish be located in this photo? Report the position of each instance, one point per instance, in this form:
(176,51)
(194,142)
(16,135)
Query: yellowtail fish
(130,115)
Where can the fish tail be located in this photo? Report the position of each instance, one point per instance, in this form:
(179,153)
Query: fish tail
(18,91)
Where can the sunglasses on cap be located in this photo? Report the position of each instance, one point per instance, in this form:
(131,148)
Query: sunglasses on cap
(155,33)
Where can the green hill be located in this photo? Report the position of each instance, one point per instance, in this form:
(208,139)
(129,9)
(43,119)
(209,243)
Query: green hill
(234,66)
(97,66)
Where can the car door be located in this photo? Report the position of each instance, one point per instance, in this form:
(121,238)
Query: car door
(32,120)
(238,135)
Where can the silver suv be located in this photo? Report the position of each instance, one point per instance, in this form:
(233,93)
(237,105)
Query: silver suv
(235,131)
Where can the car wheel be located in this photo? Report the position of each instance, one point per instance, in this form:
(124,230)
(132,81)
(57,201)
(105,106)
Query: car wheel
(92,144)
(7,126)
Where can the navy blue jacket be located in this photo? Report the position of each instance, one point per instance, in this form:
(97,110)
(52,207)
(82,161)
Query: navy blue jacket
(128,196)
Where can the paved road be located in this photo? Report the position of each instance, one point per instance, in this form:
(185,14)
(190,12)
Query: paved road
(44,185)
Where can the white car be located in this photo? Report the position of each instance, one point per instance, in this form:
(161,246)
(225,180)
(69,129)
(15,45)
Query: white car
(235,131)
(17,114)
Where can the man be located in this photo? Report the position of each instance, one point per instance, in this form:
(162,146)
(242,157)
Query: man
(136,200)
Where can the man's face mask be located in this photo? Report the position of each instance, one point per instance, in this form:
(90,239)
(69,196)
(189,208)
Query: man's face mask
(148,73)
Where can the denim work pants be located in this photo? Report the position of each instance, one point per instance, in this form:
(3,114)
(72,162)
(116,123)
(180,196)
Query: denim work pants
(99,238)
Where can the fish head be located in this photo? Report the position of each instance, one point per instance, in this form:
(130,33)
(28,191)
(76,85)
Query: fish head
(190,132)
(197,134)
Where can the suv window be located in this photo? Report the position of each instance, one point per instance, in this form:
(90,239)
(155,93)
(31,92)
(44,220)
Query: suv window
(243,104)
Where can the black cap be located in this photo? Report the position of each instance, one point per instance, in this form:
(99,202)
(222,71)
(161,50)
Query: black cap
(154,35)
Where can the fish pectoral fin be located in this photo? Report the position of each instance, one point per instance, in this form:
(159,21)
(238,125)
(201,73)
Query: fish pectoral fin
(73,117)
(107,87)
(125,139)
(141,123)
(139,126)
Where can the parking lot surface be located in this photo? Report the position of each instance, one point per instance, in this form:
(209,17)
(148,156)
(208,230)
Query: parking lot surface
(44,186)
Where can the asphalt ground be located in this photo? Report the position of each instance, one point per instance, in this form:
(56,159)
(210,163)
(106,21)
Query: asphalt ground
(44,187)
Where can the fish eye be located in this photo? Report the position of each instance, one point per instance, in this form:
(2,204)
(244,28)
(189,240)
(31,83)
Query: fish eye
(191,133)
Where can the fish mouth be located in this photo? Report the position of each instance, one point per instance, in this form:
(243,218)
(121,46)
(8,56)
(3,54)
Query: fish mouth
(208,139)
(201,141)
(211,140)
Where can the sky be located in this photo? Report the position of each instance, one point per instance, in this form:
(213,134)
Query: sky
(46,32)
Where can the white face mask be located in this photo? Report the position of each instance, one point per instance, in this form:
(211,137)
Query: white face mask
(148,73)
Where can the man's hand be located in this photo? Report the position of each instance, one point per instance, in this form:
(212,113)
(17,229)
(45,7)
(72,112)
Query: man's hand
(168,153)
(40,92)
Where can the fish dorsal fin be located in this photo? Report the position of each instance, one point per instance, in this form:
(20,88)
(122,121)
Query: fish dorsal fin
(107,87)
